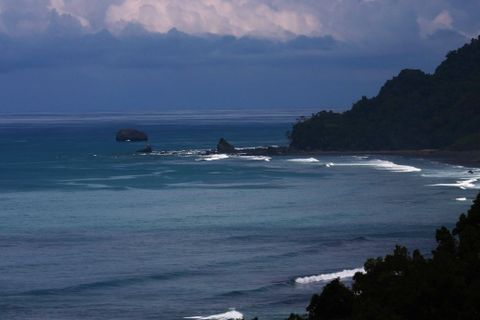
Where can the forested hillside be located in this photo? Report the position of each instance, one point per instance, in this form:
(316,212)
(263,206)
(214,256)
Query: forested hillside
(414,110)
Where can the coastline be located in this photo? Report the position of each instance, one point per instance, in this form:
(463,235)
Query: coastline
(467,158)
(460,158)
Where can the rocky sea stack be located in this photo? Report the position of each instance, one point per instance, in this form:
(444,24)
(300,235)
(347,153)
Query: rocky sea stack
(223,146)
(126,135)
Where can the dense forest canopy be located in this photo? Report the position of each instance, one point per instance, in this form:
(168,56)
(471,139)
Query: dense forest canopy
(414,110)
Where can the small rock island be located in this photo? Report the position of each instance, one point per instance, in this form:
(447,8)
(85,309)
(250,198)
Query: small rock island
(131,135)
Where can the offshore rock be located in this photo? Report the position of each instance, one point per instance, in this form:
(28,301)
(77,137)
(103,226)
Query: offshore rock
(147,149)
(224,147)
(127,135)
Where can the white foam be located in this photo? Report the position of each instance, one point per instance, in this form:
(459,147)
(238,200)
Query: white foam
(256,158)
(250,148)
(391,166)
(461,199)
(381,165)
(214,157)
(451,172)
(181,153)
(230,315)
(329,276)
(462,184)
(304,160)
(465,178)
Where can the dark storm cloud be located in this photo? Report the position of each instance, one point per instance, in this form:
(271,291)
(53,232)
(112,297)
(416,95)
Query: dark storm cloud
(148,50)
(77,55)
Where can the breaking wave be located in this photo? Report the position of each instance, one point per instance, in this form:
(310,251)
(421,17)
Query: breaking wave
(462,184)
(222,156)
(329,276)
(180,153)
(464,178)
(229,315)
(256,158)
(214,157)
(255,147)
(304,160)
(380,165)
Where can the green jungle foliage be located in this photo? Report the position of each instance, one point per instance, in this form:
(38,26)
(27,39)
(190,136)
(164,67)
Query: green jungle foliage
(414,110)
(404,286)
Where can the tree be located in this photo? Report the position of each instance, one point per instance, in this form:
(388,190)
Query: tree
(334,303)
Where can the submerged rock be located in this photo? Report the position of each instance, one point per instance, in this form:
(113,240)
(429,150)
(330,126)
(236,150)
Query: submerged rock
(147,149)
(131,135)
(224,147)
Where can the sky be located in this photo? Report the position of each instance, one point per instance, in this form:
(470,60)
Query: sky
(157,55)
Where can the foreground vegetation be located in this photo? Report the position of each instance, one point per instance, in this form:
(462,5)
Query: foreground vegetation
(412,111)
(404,286)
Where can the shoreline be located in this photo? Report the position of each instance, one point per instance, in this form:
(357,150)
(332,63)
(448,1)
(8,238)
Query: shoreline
(467,158)
(453,157)
(461,158)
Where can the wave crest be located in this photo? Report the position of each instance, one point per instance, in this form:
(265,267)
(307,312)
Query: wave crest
(462,184)
(380,165)
(329,276)
(214,157)
(229,315)
(256,158)
(304,160)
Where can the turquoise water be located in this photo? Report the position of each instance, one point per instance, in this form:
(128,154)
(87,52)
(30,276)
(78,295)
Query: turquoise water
(91,230)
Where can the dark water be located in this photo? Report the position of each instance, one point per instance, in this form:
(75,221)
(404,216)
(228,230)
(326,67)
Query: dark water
(89,230)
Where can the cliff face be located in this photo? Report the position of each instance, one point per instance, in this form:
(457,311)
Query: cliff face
(413,110)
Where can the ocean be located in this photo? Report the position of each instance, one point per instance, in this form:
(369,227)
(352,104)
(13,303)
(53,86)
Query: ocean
(91,230)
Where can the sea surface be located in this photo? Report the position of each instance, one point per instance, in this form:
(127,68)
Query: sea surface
(91,230)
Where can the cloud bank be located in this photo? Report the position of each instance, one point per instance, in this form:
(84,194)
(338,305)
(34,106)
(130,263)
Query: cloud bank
(347,20)
(224,17)
(82,55)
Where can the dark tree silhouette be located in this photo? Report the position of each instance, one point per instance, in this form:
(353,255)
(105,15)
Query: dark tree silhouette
(335,302)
